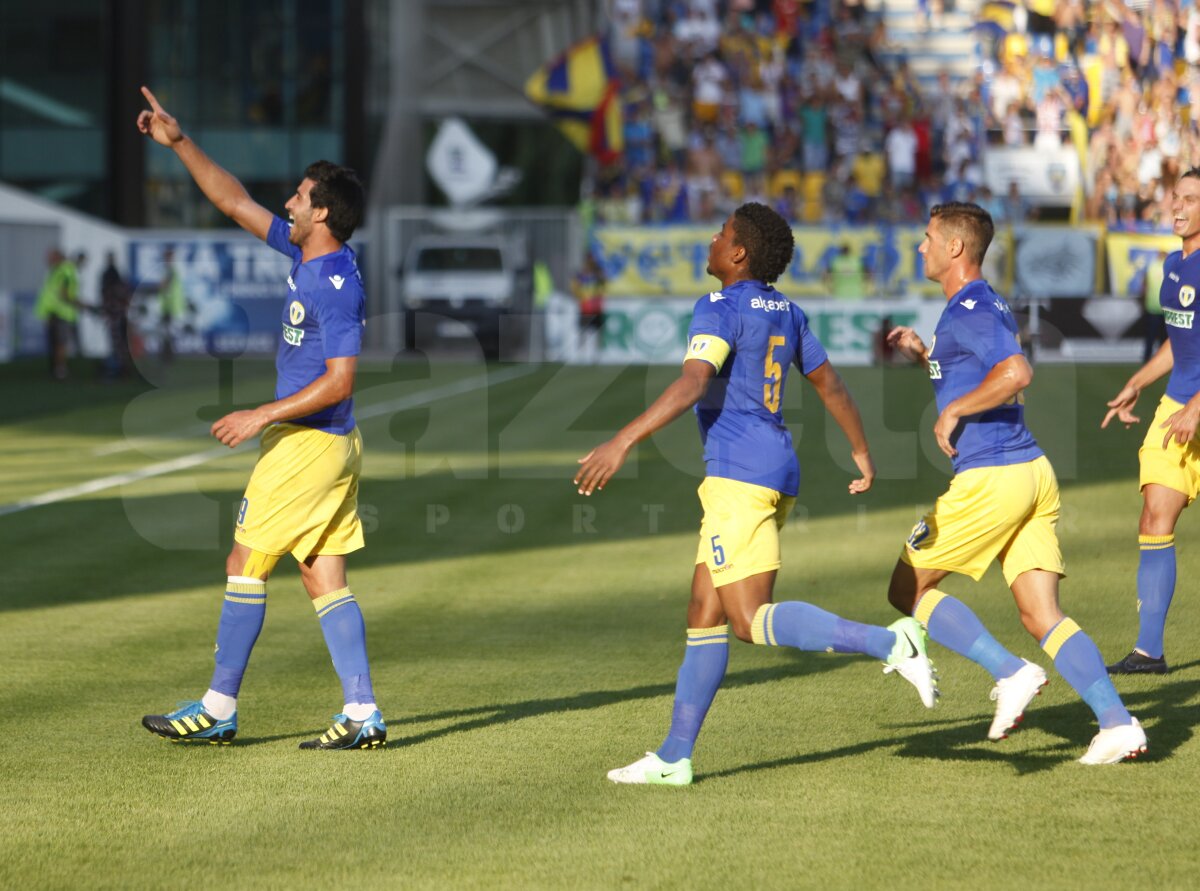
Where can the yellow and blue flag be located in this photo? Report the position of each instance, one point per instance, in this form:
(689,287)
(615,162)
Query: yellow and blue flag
(580,91)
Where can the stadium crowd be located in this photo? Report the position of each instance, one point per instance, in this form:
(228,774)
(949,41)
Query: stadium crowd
(811,107)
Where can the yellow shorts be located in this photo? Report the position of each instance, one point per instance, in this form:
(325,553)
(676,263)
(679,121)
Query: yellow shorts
(1007,513)
(739,535)
(1177,466)
(303,494)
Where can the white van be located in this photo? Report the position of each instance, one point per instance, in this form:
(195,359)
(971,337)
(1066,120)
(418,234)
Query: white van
(461,286)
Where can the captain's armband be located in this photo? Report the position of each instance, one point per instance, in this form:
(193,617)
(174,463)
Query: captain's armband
(709,348)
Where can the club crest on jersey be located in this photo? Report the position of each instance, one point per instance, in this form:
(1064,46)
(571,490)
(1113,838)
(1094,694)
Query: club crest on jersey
(296,312)
(338,281)
(935,368)
(1187,294)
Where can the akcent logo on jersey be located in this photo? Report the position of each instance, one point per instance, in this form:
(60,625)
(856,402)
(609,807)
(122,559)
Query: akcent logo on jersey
(769,305)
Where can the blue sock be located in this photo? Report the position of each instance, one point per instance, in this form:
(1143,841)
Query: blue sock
(952,624)
(807,627)
(1156,587)
(242,616)
(346,637)
(700,675)
(1079,662)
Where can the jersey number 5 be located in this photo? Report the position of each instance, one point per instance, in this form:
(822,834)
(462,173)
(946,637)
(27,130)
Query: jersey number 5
(774,375)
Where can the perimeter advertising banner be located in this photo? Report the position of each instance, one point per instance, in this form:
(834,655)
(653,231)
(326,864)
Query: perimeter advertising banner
(670,261)
(233,286)
(654,330)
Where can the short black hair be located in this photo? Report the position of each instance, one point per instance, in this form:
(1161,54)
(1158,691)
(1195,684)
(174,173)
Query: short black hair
(767,238)
(1193,173)
(970,222)
(338,190)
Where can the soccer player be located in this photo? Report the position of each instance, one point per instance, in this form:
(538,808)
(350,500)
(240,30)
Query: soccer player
(1169,456)
(303,494)
(1003,501)
(741,342)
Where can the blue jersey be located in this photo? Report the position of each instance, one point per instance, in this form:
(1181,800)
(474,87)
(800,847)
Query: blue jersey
(975,333)
(751,334)
(1181,280)
(323,320)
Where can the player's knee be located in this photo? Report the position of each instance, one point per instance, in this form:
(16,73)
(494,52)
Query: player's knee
(742,626)
(250,564)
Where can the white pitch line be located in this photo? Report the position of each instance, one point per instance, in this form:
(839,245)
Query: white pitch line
(195,459)
(137,442)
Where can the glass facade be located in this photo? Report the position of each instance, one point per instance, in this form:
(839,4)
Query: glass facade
(261,86)
(255,84)
(53,102)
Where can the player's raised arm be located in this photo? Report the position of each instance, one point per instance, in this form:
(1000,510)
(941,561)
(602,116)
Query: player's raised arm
(841,405)
(602,462)
(218,185)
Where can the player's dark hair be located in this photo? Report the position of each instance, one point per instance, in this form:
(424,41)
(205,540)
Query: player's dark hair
(767,238)
(1193,173)
(339,191)
(970,222)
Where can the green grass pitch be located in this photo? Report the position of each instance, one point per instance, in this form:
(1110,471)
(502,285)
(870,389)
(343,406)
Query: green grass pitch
(524,640)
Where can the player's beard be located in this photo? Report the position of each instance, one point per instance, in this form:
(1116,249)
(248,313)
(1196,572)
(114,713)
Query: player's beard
(299,231)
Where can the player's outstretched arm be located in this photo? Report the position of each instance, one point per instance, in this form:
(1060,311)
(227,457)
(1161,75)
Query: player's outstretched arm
(909,344)
(1121,405)
(599,465)
(842,407)
(218,185)
(1002,384)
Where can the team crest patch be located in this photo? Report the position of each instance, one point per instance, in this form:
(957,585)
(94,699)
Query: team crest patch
(1187,294)
(296,312)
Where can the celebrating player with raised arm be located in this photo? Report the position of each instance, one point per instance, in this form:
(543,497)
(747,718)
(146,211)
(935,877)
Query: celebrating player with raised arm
(302,497)
(1003,501)
(1169,456)
(741,343)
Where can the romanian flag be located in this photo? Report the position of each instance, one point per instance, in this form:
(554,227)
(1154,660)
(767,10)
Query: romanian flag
(579,89)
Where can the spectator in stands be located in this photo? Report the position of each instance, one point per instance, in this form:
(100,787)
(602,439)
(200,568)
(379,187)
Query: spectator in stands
(901,148)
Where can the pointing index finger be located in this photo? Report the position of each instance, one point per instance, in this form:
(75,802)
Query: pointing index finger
(153,102)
